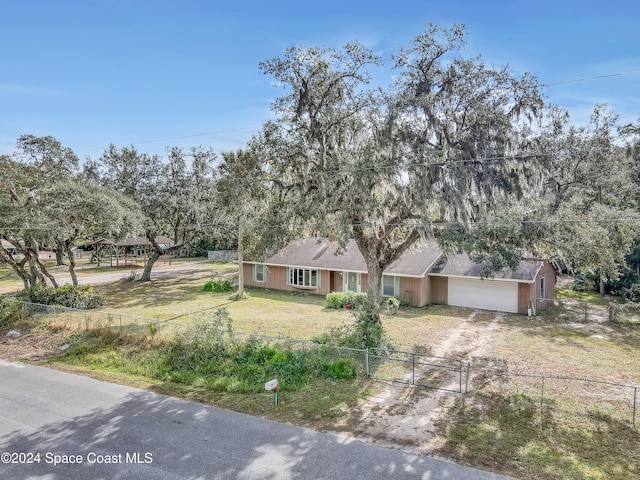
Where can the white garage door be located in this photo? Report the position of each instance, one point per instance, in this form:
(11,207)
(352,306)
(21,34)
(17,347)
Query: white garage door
(486,294)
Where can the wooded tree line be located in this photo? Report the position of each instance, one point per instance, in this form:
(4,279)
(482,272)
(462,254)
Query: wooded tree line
(449,149)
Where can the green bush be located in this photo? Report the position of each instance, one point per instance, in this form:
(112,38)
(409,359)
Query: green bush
(81,297)
(342,299)
(10,312)
(218,286)
(632,294)
(344,369)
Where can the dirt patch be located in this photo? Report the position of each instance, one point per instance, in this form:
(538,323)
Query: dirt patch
(31,346)
(405,416)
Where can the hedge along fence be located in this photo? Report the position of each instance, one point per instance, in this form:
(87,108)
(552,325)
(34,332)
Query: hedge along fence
(342,299)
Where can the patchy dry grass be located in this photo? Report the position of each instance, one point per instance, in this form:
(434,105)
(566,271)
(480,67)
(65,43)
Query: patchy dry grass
(585,431)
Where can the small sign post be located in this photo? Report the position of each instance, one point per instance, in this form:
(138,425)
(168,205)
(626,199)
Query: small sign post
(272,386)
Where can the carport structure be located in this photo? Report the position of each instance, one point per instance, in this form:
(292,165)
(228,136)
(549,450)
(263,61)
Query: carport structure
(128,250)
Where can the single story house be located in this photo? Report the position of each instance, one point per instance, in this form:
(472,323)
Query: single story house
(422,275)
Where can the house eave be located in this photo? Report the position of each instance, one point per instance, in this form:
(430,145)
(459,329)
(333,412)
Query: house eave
(516,280)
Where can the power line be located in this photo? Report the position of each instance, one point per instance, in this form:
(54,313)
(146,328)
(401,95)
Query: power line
(589,78)
(177,138)
(630,72)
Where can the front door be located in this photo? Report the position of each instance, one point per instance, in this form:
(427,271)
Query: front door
(351,281)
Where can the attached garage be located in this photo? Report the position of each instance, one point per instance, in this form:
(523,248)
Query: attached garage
(467,284)
(484,294)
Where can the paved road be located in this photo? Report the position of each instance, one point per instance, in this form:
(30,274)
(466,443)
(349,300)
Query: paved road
(81,428)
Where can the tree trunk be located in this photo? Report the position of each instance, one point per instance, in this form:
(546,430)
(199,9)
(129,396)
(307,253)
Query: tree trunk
(240,266)
(72,268)
(146,273)
(51,278)
(36,275)
(157,252)
(59,255)
(18,268)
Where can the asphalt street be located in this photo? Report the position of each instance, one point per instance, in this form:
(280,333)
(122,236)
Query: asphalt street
(54,426)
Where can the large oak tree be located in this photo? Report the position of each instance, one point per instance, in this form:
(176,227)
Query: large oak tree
(387,166)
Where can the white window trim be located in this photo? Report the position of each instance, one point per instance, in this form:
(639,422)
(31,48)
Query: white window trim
(290,282)
(255,273)
(542,288)
(396,286)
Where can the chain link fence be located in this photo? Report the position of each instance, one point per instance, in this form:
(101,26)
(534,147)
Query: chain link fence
(124,325)
(548,395)
(96,319)
(624,314)
(555,395)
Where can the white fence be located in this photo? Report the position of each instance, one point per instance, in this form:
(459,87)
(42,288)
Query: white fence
(222,255)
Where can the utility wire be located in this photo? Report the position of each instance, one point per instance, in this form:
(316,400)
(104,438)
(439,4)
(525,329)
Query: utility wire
(589,78)
(177,138)
(630,72)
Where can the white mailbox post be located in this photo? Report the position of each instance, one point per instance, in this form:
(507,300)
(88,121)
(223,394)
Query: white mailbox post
(272,386)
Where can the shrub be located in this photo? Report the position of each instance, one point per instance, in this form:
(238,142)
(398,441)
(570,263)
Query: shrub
(342,299)
(81,296)
(218,286)
(344,369)
(10,312)
(632,294)
(392,305)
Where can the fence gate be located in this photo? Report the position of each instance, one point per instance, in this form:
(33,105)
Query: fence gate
(417,369)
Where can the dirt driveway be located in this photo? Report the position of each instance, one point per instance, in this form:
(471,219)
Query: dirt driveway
(404,415)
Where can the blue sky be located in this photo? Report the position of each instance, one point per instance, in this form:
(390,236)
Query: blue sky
(95,72)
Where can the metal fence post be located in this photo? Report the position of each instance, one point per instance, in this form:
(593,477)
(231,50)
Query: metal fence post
(585,313)
(635,396)
(55,316)
(366,362)
(466,386)
(541,402)
(413,368)
(120,324)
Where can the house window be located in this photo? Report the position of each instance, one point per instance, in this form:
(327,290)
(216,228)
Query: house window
(304,277)
(390,286)
(542,288)
(259,273)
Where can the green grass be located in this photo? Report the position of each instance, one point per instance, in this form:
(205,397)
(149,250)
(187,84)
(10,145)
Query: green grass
(503,432)
(592,298)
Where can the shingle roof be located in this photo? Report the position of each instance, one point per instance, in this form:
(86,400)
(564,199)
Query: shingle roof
(135,241)
(415,262)
(462,266)
(321,254)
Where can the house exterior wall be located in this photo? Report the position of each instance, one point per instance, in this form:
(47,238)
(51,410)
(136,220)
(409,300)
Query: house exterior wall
(439,290)
(277,280)
(530,293)
(420,291)
(415,290)
(549,274)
